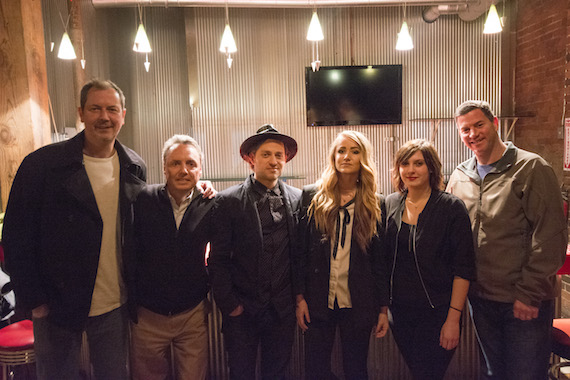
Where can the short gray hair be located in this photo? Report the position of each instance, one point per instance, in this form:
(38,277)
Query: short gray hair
(471,105)
(98,84)
(180,139)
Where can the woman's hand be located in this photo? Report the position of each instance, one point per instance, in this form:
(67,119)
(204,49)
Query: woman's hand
(382,325)
(302,313)
(449,336)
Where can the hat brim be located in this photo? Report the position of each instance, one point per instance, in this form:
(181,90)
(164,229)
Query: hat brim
(252,142)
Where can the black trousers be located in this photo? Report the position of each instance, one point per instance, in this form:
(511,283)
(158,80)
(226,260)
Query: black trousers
(245,333)
(319,339)
(417,331)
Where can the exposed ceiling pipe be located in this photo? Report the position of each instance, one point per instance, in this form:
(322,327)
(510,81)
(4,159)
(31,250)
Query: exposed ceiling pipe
(475,10)
(431,14)
(467,12)
(271,3)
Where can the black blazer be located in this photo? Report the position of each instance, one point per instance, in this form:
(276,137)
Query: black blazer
(52,229)
(170,274)
(367,275)
(237,244)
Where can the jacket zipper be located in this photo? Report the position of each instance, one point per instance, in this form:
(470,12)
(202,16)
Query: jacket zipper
(417,266)
(394,264)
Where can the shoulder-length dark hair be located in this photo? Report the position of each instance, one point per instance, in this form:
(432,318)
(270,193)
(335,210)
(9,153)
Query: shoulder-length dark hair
(431,158)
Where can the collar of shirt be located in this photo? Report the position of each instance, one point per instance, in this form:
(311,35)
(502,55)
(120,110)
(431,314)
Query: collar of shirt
(261,189)
(179,211)
(185,202)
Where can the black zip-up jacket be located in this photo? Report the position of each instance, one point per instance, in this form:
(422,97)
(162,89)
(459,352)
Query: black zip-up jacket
(442,244)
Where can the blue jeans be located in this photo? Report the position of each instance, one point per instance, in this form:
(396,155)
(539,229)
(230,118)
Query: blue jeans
(58,348)
(511,348)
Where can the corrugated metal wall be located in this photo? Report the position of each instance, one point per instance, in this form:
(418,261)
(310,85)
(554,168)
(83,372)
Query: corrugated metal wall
(452,61)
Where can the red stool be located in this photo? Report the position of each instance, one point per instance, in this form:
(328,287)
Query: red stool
(561,331)
(16,346)
(560,345)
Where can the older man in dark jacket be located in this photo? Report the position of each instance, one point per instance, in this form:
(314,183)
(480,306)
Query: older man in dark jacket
(172,228)
(69,208)
(250,260)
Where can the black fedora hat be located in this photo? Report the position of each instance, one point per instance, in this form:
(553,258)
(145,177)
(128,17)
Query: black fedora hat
(267,132)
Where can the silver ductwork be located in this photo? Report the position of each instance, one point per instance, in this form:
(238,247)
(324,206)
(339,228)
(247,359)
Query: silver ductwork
(273,3)
(466,11)
(431,14)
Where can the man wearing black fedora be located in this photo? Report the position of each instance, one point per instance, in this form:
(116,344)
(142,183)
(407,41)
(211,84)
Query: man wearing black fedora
(250,260)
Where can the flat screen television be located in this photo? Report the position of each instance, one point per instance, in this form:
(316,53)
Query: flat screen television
(354,95)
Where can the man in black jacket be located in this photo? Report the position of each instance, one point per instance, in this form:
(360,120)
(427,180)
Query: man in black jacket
(250,261)
(171,232)
(69,209)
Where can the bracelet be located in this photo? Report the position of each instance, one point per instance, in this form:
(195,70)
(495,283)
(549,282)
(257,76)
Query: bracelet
(454,308)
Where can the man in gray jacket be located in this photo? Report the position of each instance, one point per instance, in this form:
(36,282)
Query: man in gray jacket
(520,237)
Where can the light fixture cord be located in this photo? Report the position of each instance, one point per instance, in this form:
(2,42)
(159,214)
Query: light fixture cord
(65,24)
(227,14)
(501,19)
(140,14)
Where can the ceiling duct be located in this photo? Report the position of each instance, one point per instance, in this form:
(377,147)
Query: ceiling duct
(468,11)
(431,14)
(272,3)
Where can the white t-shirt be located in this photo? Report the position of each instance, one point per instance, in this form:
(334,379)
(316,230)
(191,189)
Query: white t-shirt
(109,292)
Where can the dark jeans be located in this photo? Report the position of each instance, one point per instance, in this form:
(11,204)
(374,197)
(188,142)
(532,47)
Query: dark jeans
(58,349)
(354,338)
(416,332)
(511,348)
(243,335)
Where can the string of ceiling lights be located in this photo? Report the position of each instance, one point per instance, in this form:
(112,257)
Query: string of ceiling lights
(493,24)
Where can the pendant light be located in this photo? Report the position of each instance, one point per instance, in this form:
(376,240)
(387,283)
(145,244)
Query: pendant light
(142,44)
(404,39)
(493,23)
(315,34)
(228,44)
(66,50)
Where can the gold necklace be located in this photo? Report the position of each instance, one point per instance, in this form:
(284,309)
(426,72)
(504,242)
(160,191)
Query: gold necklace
(419,202)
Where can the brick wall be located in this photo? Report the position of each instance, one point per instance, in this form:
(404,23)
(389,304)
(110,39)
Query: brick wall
(542,69)
(541,39)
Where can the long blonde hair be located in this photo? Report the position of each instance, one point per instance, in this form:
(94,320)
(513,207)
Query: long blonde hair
(325,205)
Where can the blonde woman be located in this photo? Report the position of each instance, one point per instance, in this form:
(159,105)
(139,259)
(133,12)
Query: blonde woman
(338,274)
(430,251)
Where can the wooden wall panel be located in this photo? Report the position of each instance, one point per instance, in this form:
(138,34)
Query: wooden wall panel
(24,122)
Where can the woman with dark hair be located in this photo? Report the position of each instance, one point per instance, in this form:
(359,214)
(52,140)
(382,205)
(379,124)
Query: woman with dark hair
(338,276)
(430,252)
